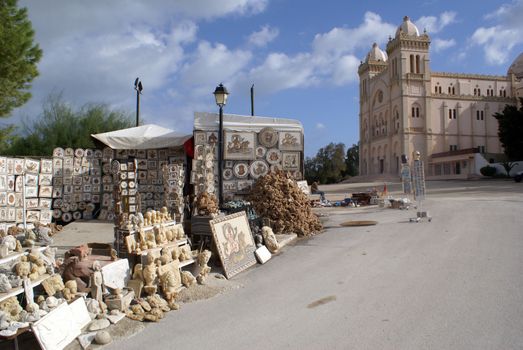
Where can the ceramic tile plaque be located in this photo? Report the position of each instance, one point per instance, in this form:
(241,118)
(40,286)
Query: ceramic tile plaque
(239,145)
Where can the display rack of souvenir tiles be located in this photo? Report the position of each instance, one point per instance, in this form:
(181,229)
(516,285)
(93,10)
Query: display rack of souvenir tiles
(173,182)
(27,177)
(149,175)
(204,174)
(108,181)
(248,155)
(77,183)
(126,195)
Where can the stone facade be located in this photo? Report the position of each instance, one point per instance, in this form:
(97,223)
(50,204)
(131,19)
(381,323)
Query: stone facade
(405,107)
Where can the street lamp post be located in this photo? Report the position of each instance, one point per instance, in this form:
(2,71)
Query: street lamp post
(138,87)
(220,94)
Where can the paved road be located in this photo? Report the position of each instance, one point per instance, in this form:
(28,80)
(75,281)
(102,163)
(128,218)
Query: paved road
(454,283)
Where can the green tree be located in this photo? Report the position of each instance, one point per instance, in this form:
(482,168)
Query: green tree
(352,160)
(18,56)
(61,126)
(328,166)
(510,131)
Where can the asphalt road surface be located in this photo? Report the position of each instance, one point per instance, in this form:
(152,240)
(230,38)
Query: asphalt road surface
(453,283)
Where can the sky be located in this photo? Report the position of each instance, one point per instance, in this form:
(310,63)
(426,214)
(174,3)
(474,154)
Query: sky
(302,56)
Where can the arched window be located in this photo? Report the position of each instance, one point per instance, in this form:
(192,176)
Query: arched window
(412,63)
(417,64)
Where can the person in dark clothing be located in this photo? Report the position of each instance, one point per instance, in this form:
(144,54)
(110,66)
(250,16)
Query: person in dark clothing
(315,190)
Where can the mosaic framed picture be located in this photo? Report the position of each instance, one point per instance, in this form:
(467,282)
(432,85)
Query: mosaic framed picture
(290,160)
(234,242)
(200,137)
(239,145)
(290,141)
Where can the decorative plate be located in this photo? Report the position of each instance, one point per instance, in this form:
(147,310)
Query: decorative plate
(73,206)
(123,176)
(273,156)
(58,152)
(79,153)
(69,152)
(77,215)
(57,213)
(90,207)
(241,170)
(208,164)
(11,199)
(227,174)
(67,217)
(258,168)
(132,184)
(89,153)
(82,205)
(123,184)
(260,151)
(268,137)
(98,153)
(210,188)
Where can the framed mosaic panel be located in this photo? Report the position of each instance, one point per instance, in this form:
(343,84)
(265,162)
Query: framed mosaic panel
(233,238)
(3,182)
(46,166)
(200,137)
(245,185)
(290,160)
(290,141)
(239,145)
(32,166)
(3,165)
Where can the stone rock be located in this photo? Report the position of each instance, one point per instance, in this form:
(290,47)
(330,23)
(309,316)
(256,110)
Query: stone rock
(51,302)
(102,338)
(96,325)
(5,286)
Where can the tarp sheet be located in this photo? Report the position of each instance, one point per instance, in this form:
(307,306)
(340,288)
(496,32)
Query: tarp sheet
(210,121)
(148,136)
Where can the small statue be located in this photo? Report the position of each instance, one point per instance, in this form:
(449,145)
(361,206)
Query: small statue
(166,256)
(160,235)
(175,253)
(148,218)
(150,275)
(170,285)
(206,203)
(203,259)
(150,239)
(185,253)
(96,284)
(169,236)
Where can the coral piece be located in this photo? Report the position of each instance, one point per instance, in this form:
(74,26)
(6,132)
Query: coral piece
(70,291)
(23,268)
(277,197)
(53,284)
(12,309)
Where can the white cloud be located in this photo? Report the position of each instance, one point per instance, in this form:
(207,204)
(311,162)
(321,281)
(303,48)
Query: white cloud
(340,41)
(442,44)
(264,36)
(435,24)
(346,70)
(320,126)
(498,40)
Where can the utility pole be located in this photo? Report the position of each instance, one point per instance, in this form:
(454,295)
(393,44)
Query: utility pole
(138,87)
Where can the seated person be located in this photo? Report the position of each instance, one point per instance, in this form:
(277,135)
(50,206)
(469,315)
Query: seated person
(315,190)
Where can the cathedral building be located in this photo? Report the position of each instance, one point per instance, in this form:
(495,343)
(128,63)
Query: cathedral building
(447,117)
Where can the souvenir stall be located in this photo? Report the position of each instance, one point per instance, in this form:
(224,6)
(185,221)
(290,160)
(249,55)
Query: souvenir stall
(148,170)
(25,191)
(252,148)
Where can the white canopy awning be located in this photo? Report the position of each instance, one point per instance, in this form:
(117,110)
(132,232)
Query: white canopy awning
(148,136)
(210,121)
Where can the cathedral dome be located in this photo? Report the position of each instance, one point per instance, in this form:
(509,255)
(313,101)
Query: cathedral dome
(516,67)
(407,27)
(376,54)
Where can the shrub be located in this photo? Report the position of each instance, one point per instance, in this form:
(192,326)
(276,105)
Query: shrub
(488,171)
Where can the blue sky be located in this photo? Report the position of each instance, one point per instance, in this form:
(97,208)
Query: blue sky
(302,56)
